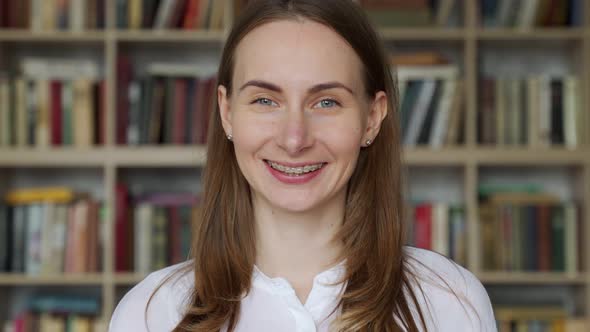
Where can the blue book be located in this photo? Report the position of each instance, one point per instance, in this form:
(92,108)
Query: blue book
(65,304)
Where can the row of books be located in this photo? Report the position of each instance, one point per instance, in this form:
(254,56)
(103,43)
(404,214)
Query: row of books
(413,13)
(170,105)
(530,232)
(541,318)
(48,15)
(431,105)
(440,227)
(152,230)
(49,231)
(52,313)
(537,111)
(531,13)
(170,14)
(51,112)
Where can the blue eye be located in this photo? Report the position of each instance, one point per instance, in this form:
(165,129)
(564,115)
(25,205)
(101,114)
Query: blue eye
(264,102)
(327,103)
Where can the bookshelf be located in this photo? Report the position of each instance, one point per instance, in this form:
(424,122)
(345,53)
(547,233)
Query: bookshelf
(110,162)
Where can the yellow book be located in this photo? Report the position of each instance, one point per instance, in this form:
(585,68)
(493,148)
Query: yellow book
(82,113)
(27,196)
(558,325)
(135,14)
(81,324)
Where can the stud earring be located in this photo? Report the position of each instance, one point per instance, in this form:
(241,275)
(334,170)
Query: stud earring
(368,142)
(230,137)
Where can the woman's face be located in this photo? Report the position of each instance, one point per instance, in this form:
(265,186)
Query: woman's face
(298,114)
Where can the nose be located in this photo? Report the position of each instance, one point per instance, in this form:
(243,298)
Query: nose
(293,134)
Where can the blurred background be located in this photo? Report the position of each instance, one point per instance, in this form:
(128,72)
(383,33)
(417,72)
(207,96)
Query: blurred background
(103,106)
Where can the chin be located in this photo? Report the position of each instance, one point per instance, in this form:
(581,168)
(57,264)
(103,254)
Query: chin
(295,206)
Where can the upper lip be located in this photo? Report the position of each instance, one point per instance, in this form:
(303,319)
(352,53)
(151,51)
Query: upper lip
(299,164)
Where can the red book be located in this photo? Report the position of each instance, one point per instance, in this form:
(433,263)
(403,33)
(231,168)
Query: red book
(122,234)
(174,243)
(208,107)
(190,17)
(423,226)
(199,95)
(5,11)
(56,112)
(124,76)
(177,18)
(544,237)
(180,93)
(93,232)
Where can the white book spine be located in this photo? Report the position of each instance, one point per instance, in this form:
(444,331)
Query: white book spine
(441,119)
(33,240)
(570,108)
(77,15)
(62,69)
(527,13)
(440,228)
(36,15)
(533,105)
(163,14)
(422,72)
(418,113)
(143,225)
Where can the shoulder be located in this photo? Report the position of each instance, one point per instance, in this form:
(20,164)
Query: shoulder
(451,297)
(166,305)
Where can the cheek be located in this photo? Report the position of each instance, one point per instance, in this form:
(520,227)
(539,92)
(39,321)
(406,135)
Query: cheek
(343,134)
(250,132)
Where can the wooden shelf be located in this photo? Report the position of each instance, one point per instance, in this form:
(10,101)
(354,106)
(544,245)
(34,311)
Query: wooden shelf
(25,35)
(530,34)
(519,278)
(421,34)
(195,155)
(7,279)
(169,36)
(530,157)
(53,157)
(180,156)
(131,278)
(98,157)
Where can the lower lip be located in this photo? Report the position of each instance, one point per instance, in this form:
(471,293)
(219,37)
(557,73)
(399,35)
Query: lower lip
(299,179)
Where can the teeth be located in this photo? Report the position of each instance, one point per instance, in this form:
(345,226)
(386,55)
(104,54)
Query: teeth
(295,170)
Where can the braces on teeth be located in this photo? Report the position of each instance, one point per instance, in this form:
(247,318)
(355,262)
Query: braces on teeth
(295,170)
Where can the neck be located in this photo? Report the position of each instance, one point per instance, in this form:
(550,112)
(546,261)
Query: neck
(297,245)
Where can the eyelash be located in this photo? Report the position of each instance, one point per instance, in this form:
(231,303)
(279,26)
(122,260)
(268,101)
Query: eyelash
(336,103)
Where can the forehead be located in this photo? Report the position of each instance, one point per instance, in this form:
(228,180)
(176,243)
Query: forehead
(296,53)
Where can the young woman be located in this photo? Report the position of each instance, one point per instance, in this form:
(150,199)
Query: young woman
(302,225)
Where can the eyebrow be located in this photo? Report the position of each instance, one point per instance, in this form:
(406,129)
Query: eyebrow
(314,89)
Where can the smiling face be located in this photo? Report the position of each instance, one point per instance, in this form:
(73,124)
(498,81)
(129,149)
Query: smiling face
(298,114)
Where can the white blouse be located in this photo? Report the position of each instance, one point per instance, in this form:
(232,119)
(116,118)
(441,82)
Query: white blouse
(272,304)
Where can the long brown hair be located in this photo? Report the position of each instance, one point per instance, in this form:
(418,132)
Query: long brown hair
(378,294)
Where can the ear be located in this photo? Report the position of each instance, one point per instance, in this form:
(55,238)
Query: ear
(377,113)
(224,109)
